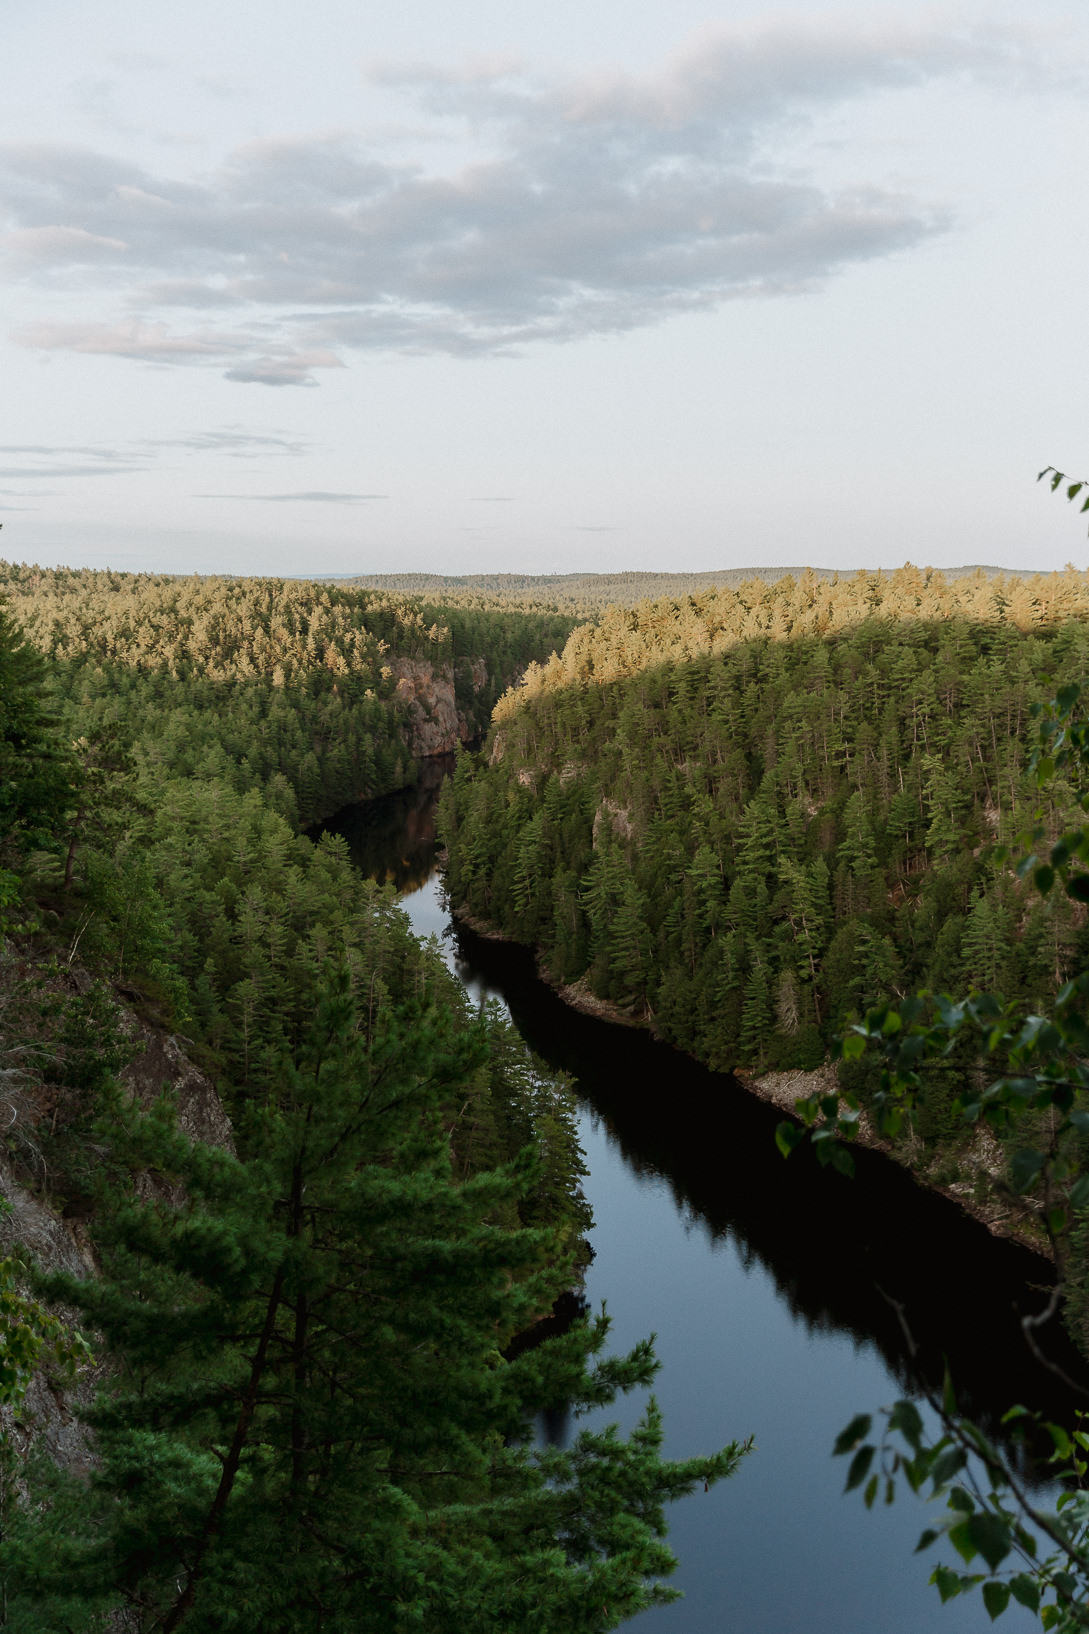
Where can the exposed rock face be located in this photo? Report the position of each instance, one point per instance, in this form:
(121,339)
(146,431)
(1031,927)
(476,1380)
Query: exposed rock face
(436,725)
(618,818)
(48,1414)
(47,1417)
(163,1061)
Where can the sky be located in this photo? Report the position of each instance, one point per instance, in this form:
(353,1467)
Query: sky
(466,286)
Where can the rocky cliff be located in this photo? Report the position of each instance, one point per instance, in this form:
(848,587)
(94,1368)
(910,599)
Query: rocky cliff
(435,723)
(33,1223)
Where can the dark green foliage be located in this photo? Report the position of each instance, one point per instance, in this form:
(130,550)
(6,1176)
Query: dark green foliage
(314,1427)
(307,1420)
(35,774)
(753,840)
(288,687)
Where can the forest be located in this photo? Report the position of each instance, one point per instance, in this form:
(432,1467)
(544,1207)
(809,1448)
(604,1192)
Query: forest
(756,818)
(588,595)
(286,687)
(294,1358)
(750,816)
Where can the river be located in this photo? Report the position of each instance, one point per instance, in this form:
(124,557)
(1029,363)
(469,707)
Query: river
(765,1282)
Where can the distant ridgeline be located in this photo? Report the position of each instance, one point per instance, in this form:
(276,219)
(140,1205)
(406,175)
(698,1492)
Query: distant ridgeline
(588,594)
(748,814)
(315,694)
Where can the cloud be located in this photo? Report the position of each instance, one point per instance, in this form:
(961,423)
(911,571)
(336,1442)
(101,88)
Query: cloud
(235,442)
(68,460)
(583,205)
(133,337)
(150,342)
(35,472)
(317,495)
(46,460)
(51,450)
(287,369)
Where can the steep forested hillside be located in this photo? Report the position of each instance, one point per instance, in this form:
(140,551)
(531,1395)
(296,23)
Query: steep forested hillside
(315,695)
(750,814)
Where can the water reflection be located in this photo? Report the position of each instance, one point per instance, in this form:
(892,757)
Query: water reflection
(393,839)
(769,1284)
(839,1252)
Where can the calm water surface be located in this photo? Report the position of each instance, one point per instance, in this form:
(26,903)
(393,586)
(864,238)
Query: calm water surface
(764,1282)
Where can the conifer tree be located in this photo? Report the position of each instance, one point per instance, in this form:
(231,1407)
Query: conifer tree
(313,1425)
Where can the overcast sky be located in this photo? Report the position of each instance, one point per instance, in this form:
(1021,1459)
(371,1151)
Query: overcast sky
(477,285)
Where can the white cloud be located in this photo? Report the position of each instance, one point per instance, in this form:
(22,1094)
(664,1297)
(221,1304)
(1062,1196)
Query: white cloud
(48,460)
(71,246)
(34,473)
(588,205)
(154,342)
(286,369)
(236,442)
(315,495)
(133,337)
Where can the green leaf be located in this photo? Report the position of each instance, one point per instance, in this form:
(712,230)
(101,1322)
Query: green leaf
(991,1536)
(840,1159)
(946,1465)
(847,1440)
(1044,876)
(1078,888)
(860,1467)
(1079,1196)
(996,1597)
(961,1539)
(905,1418)
(949,1400)
(929,1536)
(947,1582)
(788,1136)
(1025,1591)
(871,1491)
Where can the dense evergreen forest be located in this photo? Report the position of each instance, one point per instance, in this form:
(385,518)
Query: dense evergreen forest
(304,1415)
(286,687)
(749,815)
(589,594)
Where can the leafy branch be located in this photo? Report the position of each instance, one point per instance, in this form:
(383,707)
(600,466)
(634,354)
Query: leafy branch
(1073,489)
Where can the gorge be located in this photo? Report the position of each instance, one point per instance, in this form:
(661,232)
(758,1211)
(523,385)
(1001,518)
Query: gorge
(769,1287)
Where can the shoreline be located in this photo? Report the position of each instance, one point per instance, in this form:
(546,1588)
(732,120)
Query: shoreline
(979,1153)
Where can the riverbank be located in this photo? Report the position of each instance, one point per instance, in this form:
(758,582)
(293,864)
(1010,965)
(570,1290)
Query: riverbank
(969,1175)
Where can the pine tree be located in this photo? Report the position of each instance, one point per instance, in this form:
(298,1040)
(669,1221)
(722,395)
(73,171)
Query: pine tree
(35,773)
(315,1427)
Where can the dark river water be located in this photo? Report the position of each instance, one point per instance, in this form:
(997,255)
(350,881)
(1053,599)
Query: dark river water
(765,1282)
